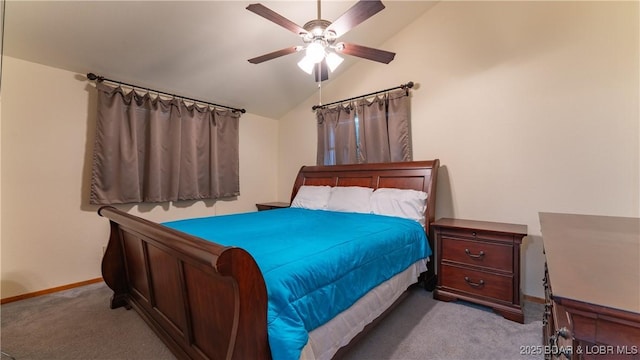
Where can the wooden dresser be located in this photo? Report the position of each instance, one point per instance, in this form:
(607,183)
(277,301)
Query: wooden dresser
(592,286)
(479,261)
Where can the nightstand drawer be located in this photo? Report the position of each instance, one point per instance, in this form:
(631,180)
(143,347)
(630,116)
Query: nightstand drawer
(488,255)
(477,282)
(476,234)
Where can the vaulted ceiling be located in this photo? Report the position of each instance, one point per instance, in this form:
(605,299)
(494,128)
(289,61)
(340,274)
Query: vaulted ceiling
(196,49)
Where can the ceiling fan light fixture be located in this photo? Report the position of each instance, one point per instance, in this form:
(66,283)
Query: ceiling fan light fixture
(315,52)
(333,61)
(306,65)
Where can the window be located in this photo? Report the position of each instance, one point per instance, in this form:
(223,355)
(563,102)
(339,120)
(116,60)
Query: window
(330,156)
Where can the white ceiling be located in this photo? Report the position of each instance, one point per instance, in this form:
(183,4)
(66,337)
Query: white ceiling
(197,49)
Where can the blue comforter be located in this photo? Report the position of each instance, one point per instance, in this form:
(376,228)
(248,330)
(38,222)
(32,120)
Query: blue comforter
(315,263)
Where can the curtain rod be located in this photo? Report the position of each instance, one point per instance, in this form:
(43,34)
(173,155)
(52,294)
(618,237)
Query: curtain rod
(92,76)
(408,85)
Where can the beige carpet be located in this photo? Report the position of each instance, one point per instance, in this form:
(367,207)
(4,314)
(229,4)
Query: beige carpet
(78,324)
(424,328)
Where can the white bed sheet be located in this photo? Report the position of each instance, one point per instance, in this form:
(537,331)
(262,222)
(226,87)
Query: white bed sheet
(326,340)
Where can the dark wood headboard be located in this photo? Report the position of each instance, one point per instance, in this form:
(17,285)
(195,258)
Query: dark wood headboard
(415,175)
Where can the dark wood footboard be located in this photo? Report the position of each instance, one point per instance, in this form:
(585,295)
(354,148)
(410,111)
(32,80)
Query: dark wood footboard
(205,301)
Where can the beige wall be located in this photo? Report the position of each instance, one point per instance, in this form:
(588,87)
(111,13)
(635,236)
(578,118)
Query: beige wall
(530,106)
(50,235)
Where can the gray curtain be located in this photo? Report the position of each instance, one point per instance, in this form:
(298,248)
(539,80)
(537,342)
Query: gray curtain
(149,149)
(366,131)
(337,136)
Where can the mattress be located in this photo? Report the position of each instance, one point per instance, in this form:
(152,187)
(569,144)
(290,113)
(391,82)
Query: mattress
(311,258)
(327,339)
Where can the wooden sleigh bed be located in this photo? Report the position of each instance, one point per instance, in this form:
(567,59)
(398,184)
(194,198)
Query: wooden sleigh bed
(208,301)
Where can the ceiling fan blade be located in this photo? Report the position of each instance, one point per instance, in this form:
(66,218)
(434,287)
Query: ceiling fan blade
(358,13)
(366,52)
(273,55)
(321,71)
(273,16)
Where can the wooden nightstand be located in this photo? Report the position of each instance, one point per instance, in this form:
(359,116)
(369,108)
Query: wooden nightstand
(479,261)
(272,205)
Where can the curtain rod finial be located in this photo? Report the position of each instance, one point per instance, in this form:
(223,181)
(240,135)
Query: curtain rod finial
(92,76)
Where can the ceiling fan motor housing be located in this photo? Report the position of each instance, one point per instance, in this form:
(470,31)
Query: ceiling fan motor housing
(317,30)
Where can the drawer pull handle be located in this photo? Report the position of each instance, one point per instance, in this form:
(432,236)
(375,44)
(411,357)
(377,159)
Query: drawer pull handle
(475,256)
(563,332)
(474,284)
(553,342)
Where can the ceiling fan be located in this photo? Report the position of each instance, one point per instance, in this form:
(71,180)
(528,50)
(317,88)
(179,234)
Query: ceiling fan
(320,38)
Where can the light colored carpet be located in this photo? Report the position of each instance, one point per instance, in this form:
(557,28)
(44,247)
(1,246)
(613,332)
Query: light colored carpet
(78,324)
(424,328)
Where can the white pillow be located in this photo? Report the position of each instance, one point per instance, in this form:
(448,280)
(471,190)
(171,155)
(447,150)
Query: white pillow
(404,203)
(312,197)
(350,199)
